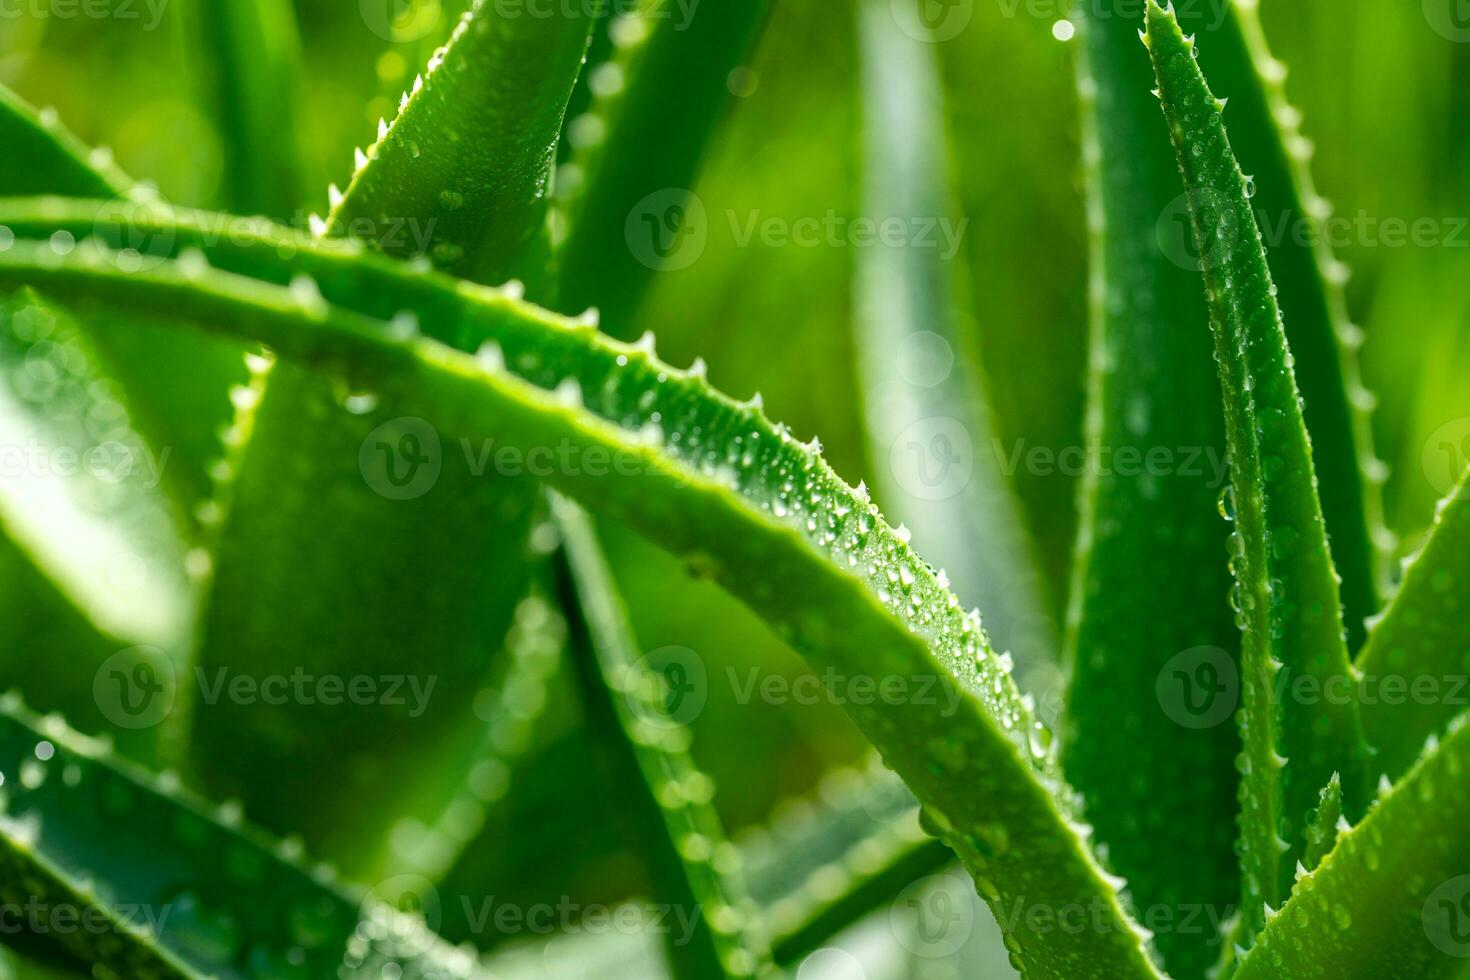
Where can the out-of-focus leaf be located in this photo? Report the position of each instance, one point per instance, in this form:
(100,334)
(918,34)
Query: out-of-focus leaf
(927,412)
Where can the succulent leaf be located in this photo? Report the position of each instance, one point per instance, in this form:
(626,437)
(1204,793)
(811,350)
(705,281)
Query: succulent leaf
(713,480)
(1286,593)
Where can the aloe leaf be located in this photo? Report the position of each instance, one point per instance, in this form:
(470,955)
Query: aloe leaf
(95,556)
(694,865)
(929,422)
(1268,140)
(185,414)
(27,964)
(1414,666)
(715,482)
(172,889)
(1388,902)
(1286,591)
(672,60)
(42,157)
(463,173)
(1152,655)
(248,59)
(1323,827)
(824,861)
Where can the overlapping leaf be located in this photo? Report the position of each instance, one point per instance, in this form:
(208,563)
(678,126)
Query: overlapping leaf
(1299,718)
(712,480)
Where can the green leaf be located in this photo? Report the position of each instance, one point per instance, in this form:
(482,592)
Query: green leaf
(647,747)
(928,418)
(1323,827)
(29,964)
(1153,654)
(1418,652)
(715,482)
(1268,141)
(178,383)
(247,59)
(403,524)
(824,861)
(463,172)
(672,61)
(1299,720)
(95,556)
(154,884)
(1388,903)
(42,157)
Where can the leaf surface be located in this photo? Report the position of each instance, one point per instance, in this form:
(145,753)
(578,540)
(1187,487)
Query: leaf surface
(1153,653)
(1418,652)
(716,482)
(646,744)
(163,887)
(1299,719)
(1388,902)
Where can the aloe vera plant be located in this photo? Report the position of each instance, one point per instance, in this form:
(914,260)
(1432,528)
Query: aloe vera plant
(368,625)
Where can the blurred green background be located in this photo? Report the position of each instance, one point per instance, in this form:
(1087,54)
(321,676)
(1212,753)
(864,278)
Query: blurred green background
(1385,98)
